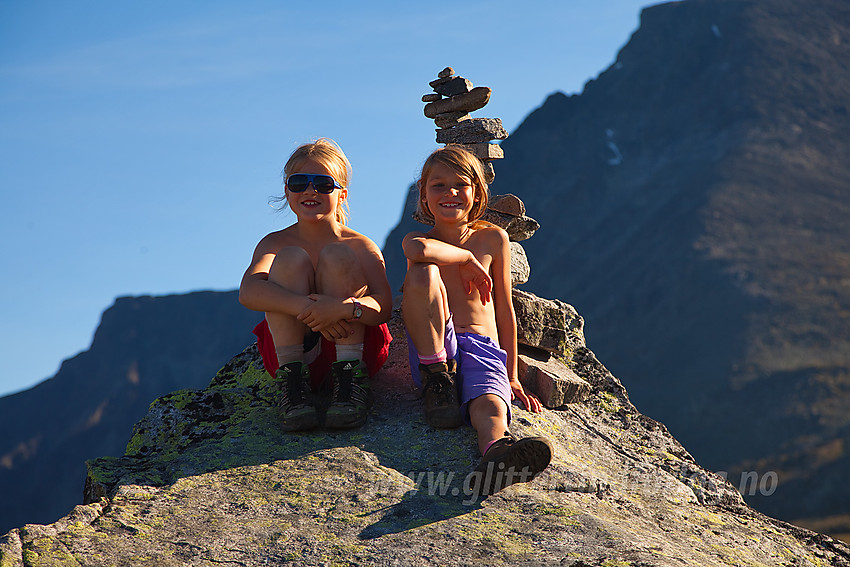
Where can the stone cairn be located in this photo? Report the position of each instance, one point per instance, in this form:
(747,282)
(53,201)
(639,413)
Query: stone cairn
(449,106)
(548,331)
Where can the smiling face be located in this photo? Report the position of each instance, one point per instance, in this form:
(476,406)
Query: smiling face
(324,157)
(310,204)
(452,186)
(449,196)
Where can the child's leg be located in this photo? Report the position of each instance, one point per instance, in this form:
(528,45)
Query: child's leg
(487,396)
(292,269)
(505,460)
(339,274)
(489,417)
(425,307)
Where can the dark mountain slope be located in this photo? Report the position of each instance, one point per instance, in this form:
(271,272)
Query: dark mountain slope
(699,200)
(694,204)
(144,348)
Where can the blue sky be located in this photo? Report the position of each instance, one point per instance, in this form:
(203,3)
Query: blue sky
(140,141)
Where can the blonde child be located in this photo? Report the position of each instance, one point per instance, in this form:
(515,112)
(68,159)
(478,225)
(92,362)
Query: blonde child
(458,311)
(325,294)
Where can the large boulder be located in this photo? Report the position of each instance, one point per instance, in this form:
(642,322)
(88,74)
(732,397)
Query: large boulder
(547,324)
(554,383)
(208,478)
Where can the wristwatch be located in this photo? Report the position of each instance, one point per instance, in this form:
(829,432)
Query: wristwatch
(358,310)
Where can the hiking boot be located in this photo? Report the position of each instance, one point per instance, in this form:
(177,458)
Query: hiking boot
(350,400)
(509,461)
(295,410)
(442,408)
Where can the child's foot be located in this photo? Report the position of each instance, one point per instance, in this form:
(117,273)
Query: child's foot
(442,408)
(294,407)
(350,402)
(509,461)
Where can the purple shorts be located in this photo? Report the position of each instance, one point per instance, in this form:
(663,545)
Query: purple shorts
(482,367)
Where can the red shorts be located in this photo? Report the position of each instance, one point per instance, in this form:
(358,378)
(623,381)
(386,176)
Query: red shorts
(376,348)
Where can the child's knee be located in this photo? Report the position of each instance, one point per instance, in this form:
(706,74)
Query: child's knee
(422,276)
(338,260)
(337,253)
(290,262)
(339,272)
(489,405)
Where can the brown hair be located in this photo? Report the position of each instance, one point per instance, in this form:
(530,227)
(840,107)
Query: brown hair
(328,153)
(463,163)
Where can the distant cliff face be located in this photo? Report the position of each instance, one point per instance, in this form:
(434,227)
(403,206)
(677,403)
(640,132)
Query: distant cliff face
(693,203)
(144,347)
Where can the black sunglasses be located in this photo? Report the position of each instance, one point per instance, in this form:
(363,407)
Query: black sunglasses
(325,184)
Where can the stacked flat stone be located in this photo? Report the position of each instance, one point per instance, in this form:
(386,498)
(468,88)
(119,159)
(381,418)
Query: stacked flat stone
(449,106)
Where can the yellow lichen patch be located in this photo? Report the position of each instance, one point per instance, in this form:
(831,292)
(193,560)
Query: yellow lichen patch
(609,402)
(82,529)
(712,517)
(489,527)
(563,513)
(732,556)
(48,552)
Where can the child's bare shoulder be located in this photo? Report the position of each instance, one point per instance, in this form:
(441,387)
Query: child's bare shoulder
(416,234)
(274,241)
(490,235)
(360,240)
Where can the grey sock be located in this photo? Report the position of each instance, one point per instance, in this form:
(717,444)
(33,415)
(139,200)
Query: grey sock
(349,352)
(289,353)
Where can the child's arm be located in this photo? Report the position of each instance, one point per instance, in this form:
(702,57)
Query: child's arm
(378,305)
(506,318)
(418,247)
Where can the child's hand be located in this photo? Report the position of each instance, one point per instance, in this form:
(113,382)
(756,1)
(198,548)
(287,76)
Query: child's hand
(528,399)
(473,275)
(323,316)
(338,331)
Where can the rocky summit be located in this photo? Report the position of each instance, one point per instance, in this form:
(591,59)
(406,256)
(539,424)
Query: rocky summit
(208,478)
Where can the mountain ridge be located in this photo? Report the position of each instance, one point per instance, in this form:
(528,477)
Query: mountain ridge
(143,348)
(744,173)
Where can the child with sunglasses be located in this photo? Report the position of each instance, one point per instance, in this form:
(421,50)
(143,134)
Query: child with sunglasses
(461,324)
(324,290)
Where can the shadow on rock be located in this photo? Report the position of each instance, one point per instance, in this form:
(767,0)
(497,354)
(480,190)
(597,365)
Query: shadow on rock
(420,507)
